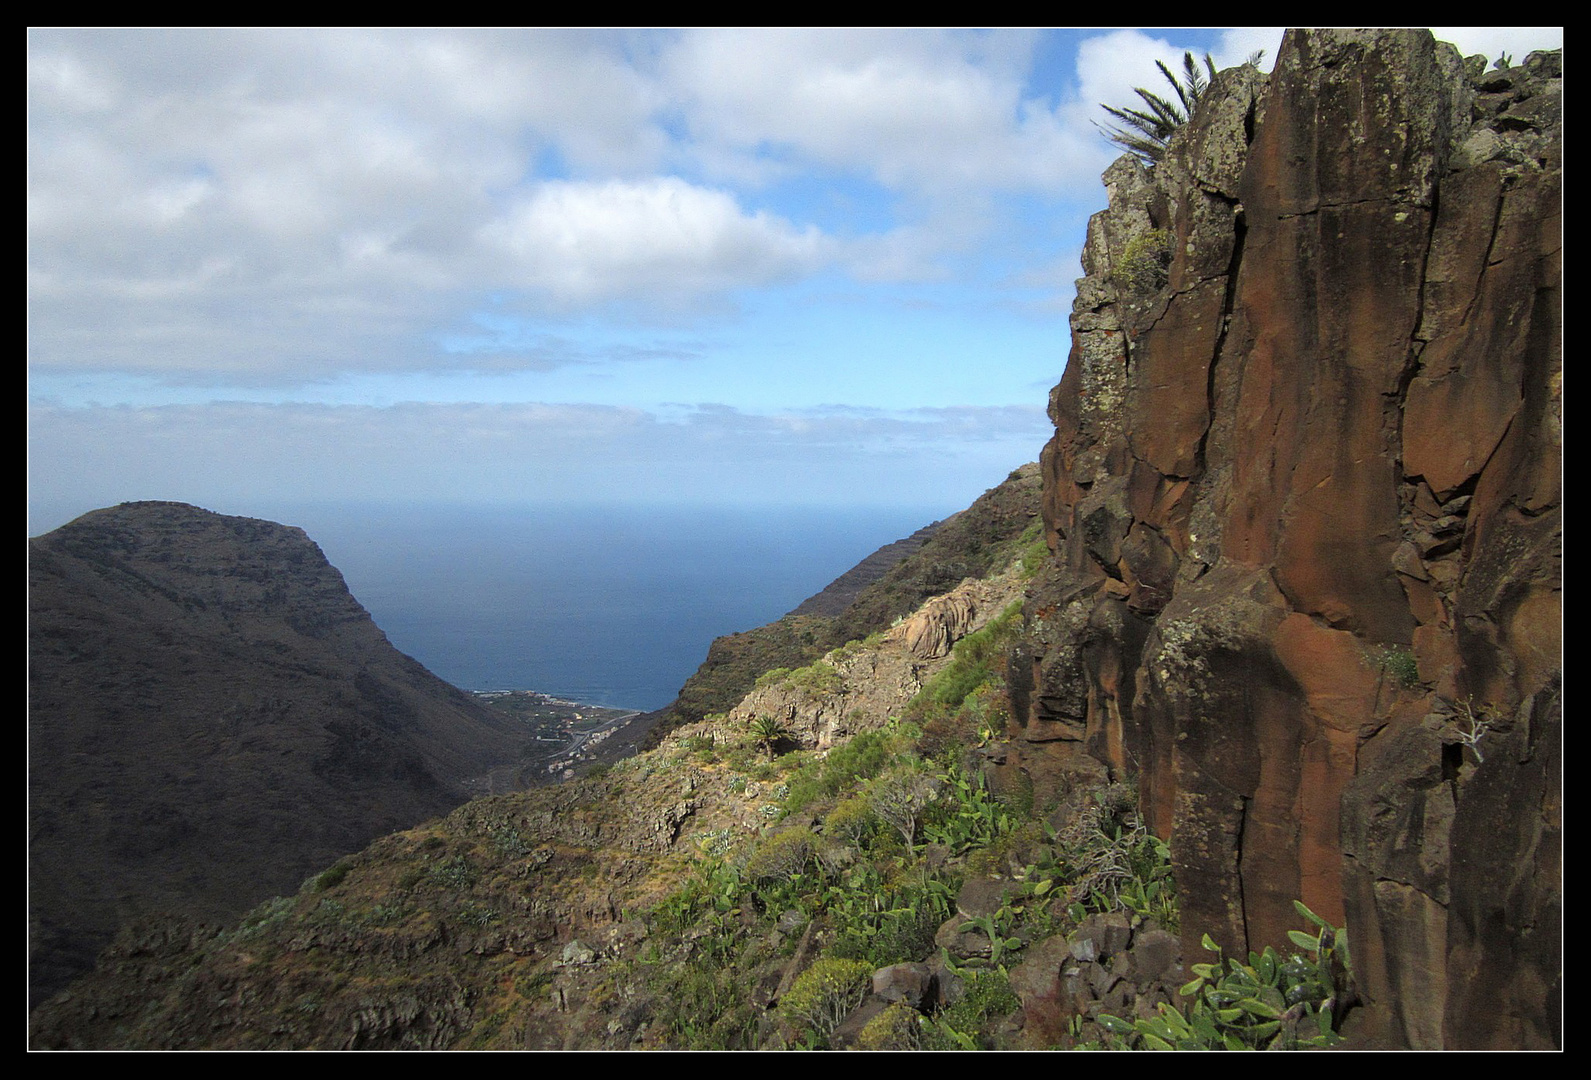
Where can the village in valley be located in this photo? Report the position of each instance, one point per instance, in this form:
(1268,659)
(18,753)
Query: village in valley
(564,734)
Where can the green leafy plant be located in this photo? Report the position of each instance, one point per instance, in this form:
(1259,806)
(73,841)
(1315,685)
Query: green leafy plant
(768,732)
(702,747)
(970,817)
(1144,262)
(1144,132)
(456,873)
(824,994)
(1111,862)
(1400,665)
(967,1024)
(1273,1002)
(994,927)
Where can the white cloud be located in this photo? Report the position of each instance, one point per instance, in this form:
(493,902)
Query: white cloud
(582,242)
(250,207)
(1239,43)
(920,111)
(289,204)
(232,456)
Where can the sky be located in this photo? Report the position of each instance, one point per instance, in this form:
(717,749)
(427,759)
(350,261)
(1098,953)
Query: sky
(812,267)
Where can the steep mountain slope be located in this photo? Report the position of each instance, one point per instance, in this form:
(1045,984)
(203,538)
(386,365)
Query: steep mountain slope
(840,593)
(571,916)
(212,717)
(1304,497)
(968,544)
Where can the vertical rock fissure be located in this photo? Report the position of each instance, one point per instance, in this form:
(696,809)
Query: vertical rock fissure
(1228,306)
(1245,804)
(1491,250)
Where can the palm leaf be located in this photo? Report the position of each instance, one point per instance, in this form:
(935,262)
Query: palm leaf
(1145,132)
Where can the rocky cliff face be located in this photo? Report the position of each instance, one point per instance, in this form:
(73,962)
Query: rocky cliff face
(1303,497)
(861,686)
(211,718)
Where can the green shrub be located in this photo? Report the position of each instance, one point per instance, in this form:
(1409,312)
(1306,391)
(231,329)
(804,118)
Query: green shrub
(456,873)
(771,676)
(824,995)
(780,856)
(898,1027)
(901,797)
(700,746)
(272,912)
(510,843)
(1144,263)
(331,877)
(1400,665)
(885,921)
(852,821)
(864,756)
(1035,556)
(816,680)
(969,1023)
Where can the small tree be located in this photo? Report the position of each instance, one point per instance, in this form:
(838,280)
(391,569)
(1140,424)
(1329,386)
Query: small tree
(899,798)
(824,994)
(768,733)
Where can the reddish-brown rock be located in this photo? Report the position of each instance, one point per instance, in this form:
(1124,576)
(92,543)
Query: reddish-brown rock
(1304,501)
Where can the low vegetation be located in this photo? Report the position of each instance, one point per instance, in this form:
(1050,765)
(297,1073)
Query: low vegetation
(747,934)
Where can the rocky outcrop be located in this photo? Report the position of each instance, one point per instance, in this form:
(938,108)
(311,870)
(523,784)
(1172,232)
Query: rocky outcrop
(1303,498)
(860,687)
(212,717)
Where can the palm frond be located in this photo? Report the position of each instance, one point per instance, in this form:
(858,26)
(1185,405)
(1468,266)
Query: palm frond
(1145,132)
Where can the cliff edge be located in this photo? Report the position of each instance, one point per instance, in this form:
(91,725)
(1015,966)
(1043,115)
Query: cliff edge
(1304,503)
(212,717)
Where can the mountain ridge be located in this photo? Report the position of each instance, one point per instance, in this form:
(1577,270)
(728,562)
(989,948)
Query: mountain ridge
(212,716)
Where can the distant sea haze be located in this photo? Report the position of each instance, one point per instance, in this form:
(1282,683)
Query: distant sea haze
(605,605)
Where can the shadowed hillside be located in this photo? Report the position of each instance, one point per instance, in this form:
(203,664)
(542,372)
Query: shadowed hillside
(212,717)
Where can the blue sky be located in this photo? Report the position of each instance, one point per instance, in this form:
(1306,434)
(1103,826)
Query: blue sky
(521,267)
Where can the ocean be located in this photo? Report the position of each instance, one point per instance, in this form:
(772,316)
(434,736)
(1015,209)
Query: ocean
(607,605)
